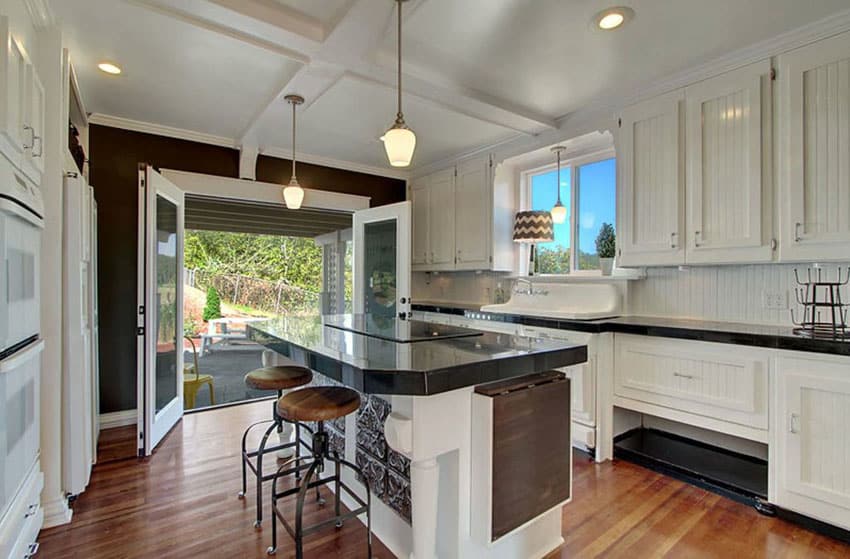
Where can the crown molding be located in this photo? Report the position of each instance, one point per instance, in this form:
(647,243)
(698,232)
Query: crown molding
(201,137)
(40,13)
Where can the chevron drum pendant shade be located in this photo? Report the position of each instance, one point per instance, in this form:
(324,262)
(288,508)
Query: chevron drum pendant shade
(533,227)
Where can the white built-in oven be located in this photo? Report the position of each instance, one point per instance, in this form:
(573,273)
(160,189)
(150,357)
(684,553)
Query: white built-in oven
(21,223)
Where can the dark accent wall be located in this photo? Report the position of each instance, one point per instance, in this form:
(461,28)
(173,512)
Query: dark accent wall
(115,155)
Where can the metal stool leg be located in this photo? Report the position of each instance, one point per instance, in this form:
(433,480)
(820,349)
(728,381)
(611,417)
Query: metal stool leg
(299,510)
(259,522)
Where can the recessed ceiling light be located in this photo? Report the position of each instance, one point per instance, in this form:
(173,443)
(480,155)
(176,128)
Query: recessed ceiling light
(109,68)
(612,18)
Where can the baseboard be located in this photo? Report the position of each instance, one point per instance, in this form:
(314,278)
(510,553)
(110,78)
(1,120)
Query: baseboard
(118,419)
(56,512)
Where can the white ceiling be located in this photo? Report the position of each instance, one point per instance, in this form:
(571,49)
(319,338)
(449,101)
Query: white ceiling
(477,72)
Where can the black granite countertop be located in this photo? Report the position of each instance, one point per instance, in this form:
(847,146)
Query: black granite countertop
(418,367)
(774,337)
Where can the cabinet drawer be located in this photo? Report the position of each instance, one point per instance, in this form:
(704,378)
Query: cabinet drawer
(716,381)
(20,524)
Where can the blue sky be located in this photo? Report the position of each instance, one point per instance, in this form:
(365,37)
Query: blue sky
(597,204)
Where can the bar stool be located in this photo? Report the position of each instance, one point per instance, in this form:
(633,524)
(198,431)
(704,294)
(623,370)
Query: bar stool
(319,404)
(280,378)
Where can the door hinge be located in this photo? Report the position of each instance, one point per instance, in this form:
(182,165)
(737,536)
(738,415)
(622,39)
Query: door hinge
(773,74)
(619,252)
(455,171)
(141,309)
(140,331)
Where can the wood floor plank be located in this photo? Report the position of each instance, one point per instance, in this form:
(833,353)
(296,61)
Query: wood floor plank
(181,503)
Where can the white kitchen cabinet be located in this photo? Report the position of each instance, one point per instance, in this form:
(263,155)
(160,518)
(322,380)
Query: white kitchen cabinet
(728,196)
(33,161)
(812,437)
(441,220)
(473,222)
(13,90)
(462,220)
(419,197)
(814,151)
(715,386)
(651,187)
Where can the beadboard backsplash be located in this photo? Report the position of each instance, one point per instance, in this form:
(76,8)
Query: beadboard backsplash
(724,293)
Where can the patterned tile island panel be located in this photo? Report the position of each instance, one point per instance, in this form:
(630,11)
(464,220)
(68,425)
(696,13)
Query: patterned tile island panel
(387,471)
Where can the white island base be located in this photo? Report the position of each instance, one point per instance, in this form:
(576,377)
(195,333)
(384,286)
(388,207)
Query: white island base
(442,435)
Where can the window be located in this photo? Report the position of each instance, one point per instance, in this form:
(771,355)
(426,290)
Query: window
(588,185)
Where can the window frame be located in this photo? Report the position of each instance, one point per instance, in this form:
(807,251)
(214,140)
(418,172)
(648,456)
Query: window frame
(570,164)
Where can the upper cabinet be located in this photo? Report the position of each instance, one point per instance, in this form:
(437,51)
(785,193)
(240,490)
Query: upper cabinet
(814,148)
(728,199)
(705,149)
(21,107)
(454,221)
(651,209)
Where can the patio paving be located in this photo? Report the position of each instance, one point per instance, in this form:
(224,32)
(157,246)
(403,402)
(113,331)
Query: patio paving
(228,368)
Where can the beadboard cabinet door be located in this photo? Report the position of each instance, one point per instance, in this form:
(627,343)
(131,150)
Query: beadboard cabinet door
(34,107)
(472,223)
(813,439)
(651,217)
(441,219)
(420,201)
(814,93)
(13,91)
(729,205)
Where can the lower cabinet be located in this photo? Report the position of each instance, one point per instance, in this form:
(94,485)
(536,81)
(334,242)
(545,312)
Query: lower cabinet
(811,458)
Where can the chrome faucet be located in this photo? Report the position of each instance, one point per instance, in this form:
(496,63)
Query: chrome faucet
(530,290)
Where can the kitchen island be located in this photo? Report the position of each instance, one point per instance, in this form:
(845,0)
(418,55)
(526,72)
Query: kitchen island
(451,401)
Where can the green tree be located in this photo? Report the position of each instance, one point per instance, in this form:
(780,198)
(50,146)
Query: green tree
(212,309)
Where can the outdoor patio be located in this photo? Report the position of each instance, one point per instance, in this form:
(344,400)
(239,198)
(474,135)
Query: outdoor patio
(228,366)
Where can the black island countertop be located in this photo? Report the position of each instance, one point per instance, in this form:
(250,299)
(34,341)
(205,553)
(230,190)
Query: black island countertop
(736,333)
(409,357)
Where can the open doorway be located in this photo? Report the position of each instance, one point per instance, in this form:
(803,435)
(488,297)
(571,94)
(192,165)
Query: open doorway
(250,261)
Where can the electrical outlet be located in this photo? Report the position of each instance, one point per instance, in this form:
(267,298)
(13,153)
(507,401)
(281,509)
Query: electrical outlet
(774,300)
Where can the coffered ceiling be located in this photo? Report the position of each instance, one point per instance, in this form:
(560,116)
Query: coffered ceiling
(477,72)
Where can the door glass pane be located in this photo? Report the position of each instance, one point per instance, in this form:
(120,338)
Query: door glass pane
(166,302)
(596,207)
(379,266)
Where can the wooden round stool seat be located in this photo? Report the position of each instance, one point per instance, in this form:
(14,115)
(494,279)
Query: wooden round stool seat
(279,377)
(318,403)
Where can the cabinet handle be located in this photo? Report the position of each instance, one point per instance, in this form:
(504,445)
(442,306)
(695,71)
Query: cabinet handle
(31,550)
(673,239)
(40,146)
(697,235)
(797,236)
(31,130)
(794,424)
(31,510)
(680,375)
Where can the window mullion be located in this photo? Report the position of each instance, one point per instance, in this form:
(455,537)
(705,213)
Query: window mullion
(574,197)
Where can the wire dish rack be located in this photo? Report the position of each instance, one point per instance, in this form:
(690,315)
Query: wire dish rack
(824,313)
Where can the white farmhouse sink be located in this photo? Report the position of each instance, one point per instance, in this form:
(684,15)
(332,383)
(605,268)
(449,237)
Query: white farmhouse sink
(571,301)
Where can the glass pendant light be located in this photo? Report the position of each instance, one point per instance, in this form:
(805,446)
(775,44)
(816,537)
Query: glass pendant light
(293,194)
(399,140)
(559,212)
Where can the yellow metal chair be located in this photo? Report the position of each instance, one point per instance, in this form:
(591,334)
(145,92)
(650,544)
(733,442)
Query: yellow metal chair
(193,380)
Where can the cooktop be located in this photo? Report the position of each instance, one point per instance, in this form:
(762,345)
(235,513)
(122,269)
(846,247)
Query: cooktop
(395,329)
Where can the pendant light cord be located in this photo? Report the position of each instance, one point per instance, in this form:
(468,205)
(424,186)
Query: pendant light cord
(293,141)
(400,115)
(558,187)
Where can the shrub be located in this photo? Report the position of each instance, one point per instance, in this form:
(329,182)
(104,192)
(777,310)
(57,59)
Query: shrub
(213,307)
(606,241)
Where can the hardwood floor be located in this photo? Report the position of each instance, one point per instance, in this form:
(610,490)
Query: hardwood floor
(182,503)
(116,444)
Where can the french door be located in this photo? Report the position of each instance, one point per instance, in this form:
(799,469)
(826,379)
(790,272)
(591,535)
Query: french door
(382,261)
(160,308)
